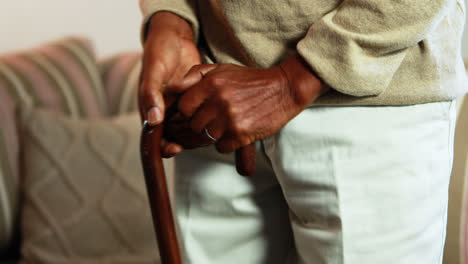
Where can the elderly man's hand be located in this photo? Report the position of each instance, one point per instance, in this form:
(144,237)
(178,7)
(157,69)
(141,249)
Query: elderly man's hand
(239,105)
(169,52)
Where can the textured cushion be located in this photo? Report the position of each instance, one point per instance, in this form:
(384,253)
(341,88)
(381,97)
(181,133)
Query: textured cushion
(62,76)
(84,194)
(120,75)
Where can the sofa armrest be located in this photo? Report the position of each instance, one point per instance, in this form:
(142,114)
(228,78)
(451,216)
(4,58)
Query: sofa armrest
(120,75)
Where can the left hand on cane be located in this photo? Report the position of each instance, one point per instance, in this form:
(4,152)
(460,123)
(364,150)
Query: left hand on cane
(239,105)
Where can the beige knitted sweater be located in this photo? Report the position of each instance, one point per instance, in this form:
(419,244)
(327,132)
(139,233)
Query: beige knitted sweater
(370,52)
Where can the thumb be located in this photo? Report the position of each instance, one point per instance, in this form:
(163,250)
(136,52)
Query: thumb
(150,100)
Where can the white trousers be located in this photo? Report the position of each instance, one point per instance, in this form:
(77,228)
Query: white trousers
(353,185)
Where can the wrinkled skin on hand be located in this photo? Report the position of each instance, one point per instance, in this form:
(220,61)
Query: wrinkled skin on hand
(239,105)
(169,52)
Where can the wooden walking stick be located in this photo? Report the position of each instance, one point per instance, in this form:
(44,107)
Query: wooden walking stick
(155,178)
(158,195)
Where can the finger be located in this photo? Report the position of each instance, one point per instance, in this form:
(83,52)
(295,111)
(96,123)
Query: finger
(227,144)
(170,150)
(193,98)
(193,76)
(150,98)
(179,74)
(203,117)
(184,136)
(217,128)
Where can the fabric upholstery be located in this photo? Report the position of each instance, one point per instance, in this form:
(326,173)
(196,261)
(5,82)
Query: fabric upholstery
(120,75)
(84,194)
(62,76)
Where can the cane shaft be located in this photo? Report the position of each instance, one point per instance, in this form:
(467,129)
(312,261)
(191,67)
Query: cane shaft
(158,195)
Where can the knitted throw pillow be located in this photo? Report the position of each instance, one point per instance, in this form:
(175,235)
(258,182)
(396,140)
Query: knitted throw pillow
(61,75)
(84,194)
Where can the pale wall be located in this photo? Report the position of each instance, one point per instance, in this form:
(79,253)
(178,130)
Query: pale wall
(112,24)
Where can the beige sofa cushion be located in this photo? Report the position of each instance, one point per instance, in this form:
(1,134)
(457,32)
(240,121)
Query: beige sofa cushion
(63,76)
(84,194)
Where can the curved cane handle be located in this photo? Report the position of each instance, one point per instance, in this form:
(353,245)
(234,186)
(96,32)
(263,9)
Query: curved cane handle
(245,156)
(245,160)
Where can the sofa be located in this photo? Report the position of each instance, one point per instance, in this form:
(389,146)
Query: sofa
(71,184)
(62,88)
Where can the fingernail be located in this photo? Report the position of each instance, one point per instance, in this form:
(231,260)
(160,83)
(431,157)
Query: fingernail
(154,116)
(173,154)
(177,151)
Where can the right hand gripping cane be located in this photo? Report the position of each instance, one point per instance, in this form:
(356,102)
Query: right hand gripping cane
(156,186)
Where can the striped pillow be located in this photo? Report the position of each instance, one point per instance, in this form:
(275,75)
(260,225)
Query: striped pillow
(62,76)
(120,75)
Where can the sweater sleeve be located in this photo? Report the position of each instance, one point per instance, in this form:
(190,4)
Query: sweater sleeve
(358,47)
(186,9)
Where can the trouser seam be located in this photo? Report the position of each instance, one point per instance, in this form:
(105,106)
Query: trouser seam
(450,164)
(335,178)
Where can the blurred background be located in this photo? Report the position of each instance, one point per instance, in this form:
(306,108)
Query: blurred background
(112,25)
